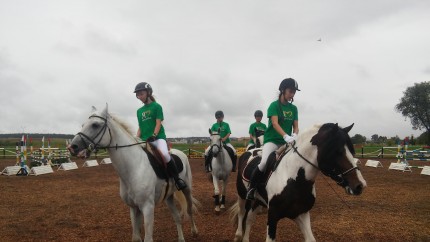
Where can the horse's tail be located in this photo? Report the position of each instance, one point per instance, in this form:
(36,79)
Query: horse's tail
(180,197)
(182,200)
(234,213)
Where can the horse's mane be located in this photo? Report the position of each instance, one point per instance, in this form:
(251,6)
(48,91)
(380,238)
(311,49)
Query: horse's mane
(123,124)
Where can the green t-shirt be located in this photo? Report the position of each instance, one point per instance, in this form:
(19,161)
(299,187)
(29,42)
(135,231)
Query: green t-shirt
(224,130)
(146,116)
(290,114)
(259,126)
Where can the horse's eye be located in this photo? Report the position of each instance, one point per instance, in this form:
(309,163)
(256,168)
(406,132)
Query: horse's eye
(95,125)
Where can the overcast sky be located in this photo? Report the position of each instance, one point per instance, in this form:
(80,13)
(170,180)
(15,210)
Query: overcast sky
(58,58)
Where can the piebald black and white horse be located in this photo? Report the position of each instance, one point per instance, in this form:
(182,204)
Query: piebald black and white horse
(143,184)
(290,189)
(258,141)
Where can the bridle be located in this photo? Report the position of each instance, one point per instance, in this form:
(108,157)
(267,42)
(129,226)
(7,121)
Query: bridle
(95,146)
(216,145)
(338,178)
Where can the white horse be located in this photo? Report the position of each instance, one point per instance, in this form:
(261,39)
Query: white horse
(140,187)
(221,168)
(290,189)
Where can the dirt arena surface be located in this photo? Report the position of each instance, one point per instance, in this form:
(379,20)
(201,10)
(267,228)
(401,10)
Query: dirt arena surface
(84,205)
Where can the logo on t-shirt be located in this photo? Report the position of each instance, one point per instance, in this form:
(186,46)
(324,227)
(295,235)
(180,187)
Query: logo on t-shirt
(146,115)
(288,115)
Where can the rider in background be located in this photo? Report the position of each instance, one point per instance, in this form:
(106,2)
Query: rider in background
(257,125)
(283,128)
(225,138)
(150,116)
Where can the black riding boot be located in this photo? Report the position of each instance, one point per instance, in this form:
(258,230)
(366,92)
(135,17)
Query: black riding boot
(254,180)
(234,161)
(173,171)
(207,163)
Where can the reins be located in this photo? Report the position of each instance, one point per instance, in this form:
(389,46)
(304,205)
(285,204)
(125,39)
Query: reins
(337,178)
(95,145)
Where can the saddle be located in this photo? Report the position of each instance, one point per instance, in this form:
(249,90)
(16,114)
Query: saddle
(210,155)
(272,164)
(158,165)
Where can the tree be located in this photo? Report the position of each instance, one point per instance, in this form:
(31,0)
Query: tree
(358,139)
(374,138)
(415,104)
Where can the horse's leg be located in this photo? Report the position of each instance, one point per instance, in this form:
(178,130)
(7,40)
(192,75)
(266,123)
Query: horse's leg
(216,193)
(240,214)
(223,192)
(272,223)
(176,217)
(252,214)
(189,198)
(136,223)
(304,223)
(148,217)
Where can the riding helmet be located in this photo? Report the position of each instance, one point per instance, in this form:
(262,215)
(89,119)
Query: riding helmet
(143,86)
(289,83)
(258,113)
(219,114)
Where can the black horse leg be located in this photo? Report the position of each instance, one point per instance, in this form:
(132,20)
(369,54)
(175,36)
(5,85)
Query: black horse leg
(272,223)
(216,197)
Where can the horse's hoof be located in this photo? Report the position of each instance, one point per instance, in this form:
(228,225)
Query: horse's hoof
(222,206)
(217,210)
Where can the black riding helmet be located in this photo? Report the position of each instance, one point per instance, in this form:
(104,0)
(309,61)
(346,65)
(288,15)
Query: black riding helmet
(141,86)
(258,113)
(219,114)
(289,83)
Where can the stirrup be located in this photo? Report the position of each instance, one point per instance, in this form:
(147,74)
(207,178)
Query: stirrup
(250,194)
(180,184)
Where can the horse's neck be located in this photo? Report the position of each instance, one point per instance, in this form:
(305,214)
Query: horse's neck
(127,160)
(294,162)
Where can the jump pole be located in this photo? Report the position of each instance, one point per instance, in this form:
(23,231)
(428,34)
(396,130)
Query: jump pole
(22,171)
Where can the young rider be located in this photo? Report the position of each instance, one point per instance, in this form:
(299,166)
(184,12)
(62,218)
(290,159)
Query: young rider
(283,128)
(225,138)
(258,125)
(150,117)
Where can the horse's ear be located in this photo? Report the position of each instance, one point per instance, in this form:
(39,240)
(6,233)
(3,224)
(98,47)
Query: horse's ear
(105,111)
(93,109)
(336,127)
(347,129)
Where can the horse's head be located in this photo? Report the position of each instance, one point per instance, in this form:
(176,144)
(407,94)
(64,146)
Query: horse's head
(335,157)
(259,135)
(94,134)
(216,143)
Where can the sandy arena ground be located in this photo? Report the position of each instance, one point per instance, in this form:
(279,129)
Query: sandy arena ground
(84,205)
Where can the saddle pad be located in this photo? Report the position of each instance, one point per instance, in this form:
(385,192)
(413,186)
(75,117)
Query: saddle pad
(159,166)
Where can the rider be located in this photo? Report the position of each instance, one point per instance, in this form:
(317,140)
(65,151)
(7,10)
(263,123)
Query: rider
(257,125)
(150,116)
(283,128)
(225,138)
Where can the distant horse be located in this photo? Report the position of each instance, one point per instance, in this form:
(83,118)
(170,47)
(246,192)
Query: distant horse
(222,165)
(143,182)
(258,141)
(290,189)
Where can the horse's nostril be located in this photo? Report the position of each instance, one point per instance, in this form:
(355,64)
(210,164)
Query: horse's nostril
(359,189)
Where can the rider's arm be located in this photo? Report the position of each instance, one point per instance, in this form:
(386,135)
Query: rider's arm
(225,137)
(276,125)
(295,127)
(157,126)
